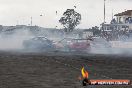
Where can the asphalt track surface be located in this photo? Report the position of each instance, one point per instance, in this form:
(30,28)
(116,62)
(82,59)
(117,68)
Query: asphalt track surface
(61,70)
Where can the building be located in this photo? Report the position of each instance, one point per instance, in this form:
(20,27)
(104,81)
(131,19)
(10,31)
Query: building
(122,20)
(124,17)
(120,25)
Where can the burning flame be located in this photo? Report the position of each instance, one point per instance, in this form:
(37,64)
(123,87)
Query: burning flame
(84,73)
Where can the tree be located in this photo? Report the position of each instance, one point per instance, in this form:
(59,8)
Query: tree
(70,20)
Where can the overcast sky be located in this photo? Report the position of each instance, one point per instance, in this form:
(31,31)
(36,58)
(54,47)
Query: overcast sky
(20,11)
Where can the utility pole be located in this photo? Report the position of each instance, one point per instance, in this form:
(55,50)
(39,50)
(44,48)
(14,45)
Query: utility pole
(17,22)
(31,21)
(104,11)
(112,14)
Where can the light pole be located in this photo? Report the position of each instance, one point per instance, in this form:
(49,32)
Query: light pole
(112,14)
(31,21)
(104,11)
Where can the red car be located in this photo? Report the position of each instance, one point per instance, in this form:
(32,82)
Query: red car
(79,44)
(69,44)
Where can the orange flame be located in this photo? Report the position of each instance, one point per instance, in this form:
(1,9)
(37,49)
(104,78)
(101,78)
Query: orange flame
(84,73)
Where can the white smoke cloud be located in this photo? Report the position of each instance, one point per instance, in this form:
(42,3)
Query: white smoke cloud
(14,41)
